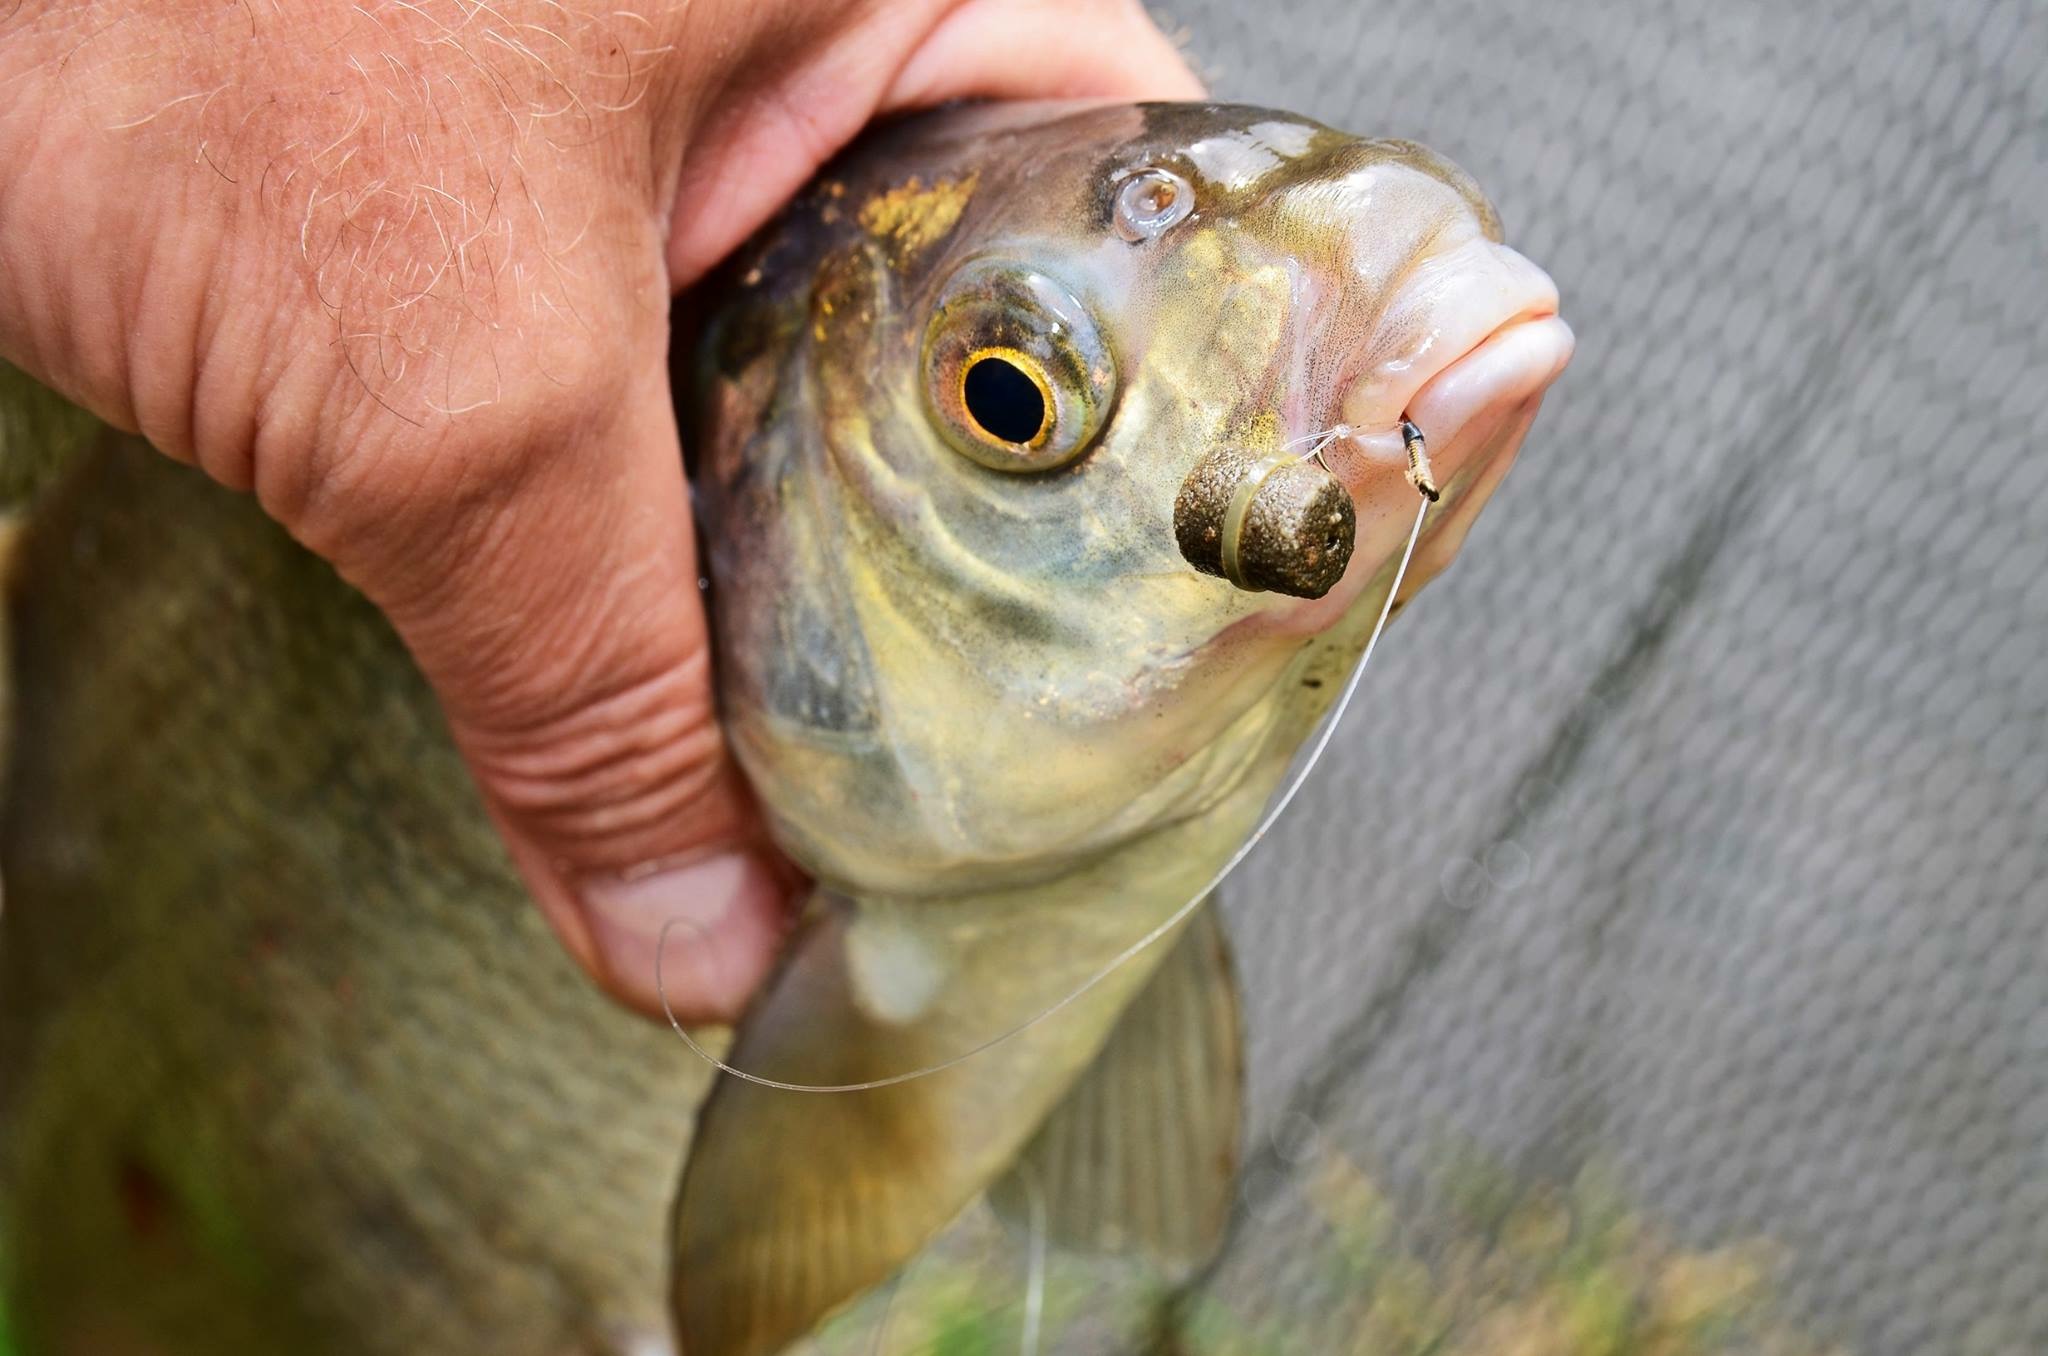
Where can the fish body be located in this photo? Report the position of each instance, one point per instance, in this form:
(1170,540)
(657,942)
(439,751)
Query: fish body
(989,703)
(287,1062)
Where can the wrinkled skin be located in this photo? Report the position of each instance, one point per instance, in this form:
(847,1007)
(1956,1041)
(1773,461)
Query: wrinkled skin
(994,711)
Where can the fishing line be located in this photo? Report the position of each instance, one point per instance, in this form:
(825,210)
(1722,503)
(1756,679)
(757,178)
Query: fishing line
(888,1311)
(1034,1285)
(1180,915)
(1318,441)
(1032,1324)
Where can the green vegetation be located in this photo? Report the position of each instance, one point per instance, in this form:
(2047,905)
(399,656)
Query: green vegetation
(1517,1270)
(1490,1266)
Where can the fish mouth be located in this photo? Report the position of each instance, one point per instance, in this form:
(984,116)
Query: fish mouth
(1471,378)
(1475,413)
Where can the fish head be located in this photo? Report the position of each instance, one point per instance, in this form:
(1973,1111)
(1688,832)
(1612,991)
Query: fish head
(1031,341)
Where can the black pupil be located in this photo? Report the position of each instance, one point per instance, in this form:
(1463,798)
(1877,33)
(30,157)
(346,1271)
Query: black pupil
(1006,403)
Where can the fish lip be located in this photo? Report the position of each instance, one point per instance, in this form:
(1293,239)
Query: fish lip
(1473,409)
(1481,406)
(1489,339)
(1513,365)
(1473,291)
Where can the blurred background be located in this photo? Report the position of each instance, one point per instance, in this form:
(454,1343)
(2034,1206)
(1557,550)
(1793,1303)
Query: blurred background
(1689,845)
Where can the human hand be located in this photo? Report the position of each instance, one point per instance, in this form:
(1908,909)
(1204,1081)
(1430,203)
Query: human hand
(403,269)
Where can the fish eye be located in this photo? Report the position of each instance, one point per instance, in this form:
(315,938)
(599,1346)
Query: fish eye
(1004,393)
(1017,376)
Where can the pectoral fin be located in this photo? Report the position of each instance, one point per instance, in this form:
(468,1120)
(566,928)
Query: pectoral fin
(792,1203)
(1141,1155)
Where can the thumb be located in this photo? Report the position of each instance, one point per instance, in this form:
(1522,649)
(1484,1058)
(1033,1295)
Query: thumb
(546,580)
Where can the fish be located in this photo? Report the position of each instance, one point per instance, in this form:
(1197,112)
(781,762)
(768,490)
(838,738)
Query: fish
(1027,591)
(288,1062)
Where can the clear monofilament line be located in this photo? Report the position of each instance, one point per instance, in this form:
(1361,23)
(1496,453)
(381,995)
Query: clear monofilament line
(888,1312)
(1122,958)
(1319,442)
(1034,1278)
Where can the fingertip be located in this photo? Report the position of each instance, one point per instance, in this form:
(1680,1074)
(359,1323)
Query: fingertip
(693,940)
(1003,50)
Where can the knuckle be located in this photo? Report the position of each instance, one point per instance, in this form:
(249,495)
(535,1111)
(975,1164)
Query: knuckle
(372,485)
(612,780)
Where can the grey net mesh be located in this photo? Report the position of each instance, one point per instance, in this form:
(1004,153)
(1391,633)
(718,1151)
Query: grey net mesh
(1690,839)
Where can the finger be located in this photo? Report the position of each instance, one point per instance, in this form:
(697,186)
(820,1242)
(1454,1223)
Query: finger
(542,570)
(760,139)
(1053,49)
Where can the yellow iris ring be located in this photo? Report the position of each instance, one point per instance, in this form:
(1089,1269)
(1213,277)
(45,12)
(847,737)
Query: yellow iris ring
(1032,370)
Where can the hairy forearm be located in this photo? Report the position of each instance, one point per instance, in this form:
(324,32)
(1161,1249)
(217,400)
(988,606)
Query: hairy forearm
(380,179)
